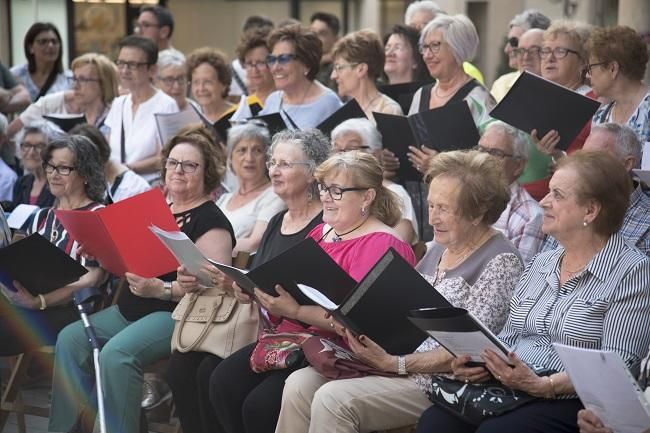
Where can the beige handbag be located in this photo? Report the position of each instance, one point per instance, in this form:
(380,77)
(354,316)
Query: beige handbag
(213,322)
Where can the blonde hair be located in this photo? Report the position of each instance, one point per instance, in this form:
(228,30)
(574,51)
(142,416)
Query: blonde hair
(106,70)
(576,31)
(364,171)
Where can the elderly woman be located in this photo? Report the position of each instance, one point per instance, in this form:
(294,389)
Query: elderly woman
(471,264)
(564,61)
(253,204)
(172,77)
(361,134)
(94,86)
(121,182)
(252,52)
(32,187)
(617,63)
(295,57)
(76,179)
(403,62)
(358,61)
(591,292)
(294,155)
(43,72)
(358,213)
(138,329)
(210,77)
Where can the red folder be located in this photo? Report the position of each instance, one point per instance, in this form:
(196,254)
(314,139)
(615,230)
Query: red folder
(118,235)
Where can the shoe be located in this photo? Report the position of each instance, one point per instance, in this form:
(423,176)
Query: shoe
(154,392)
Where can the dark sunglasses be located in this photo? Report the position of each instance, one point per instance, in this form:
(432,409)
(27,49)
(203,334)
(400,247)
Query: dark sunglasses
(513,41)
(282,59)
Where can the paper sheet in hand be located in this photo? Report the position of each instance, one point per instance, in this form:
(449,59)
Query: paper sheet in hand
(168,124)
(606,386)
(642,175)
(20,215)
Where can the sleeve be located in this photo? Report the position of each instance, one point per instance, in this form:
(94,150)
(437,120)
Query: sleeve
(269,205)
(211,218)
(7,78)
(480,103)
(369,250)
(112,118)
(33,113)
(529,237)
(493,290)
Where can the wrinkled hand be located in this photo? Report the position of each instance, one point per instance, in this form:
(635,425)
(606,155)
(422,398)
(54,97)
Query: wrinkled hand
(588,422)
(335,325)
(468,374)
(282,305)
(370,352)
(144,287)
(390,163)
(518,377)
(240,295)
(547,143)
(21,297)
(188,282)
(218,278)
(421,157)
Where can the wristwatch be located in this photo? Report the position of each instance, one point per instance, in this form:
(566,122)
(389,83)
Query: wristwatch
(401,366)
(167,290)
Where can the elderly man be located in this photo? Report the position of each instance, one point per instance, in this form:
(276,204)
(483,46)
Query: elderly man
(622,143)
(521,221)
(156,23)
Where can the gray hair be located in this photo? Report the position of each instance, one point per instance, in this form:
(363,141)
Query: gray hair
(312,143)
(422,6)
(531,19)
(168,58)
(518,138)
(40,127)
(458,31)
(247,131)
(627,142)
(87,163)
(364,128)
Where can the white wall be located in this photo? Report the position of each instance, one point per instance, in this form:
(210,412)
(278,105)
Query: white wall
(26,12)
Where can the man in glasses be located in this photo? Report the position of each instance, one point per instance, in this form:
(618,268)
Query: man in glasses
(157,23)
(521,221)
(529,19)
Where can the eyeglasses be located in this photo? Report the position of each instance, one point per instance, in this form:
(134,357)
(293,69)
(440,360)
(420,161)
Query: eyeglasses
(335,192)
(433,48)
(47,41)
(255,65)
(497,153)
(281,59)
(82,80)
(283,165)
(186,166)
(169,81)
(26,147)
(513,41)
(63,170)
(340,66)
(590,66)
(131,66)
(532,51)
(146,25)
(394,47)
(558,52)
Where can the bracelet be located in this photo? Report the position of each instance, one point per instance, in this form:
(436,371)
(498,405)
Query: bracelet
(43,303)
(550,381)
(167,290)
(401,366)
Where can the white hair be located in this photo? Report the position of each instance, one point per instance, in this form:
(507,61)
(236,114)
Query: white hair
(249,131)
(518,138)
(421,6)
(364,128)
(530,19)
(459,32)
(627,142)
(168,58)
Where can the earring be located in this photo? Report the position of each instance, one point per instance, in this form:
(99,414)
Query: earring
(585,223)
(310,195)
(363,211)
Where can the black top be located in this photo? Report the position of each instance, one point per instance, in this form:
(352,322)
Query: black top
(23,188)
(274,242)
(194,223)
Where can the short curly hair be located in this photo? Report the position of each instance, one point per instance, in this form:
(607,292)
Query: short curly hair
(308,48)
(214,158)
(363,46)
(214,58)
(575,31)
(250,40)
(620,44)
(87,163)
(483,188)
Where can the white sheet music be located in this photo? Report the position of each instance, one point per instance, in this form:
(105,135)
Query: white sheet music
(606,386)
(20,215)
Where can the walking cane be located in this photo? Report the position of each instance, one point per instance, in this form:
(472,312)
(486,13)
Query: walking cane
(83,300)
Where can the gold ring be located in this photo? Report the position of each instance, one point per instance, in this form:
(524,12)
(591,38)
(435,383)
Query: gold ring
(214,280)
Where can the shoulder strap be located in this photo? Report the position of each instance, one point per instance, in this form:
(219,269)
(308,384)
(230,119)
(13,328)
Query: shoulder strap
(122,143)
(425,96)
(48,83)
(239,80)
(464,91)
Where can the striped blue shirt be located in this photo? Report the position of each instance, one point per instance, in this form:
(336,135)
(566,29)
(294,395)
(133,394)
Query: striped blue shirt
(606,307)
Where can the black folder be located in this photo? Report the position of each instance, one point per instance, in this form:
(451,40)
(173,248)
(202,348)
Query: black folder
(402,93)
(273,122)
(66,121)
(38,265)
(396,136)
(534,102)
(350,110)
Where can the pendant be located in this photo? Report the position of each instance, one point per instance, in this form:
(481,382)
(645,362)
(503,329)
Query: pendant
(336,238)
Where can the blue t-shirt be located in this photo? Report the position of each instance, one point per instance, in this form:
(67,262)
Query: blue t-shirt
(305,116)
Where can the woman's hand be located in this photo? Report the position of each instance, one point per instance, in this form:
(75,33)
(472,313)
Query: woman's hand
(21,297)
(421,157)
(144,287)
(218,278)
(282,305)
(240,295)
(187,281)
(390,163)
(547,143)
(468,374)
(590,423)
(335,325)
(519,377)
(81,251)
(371,353)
